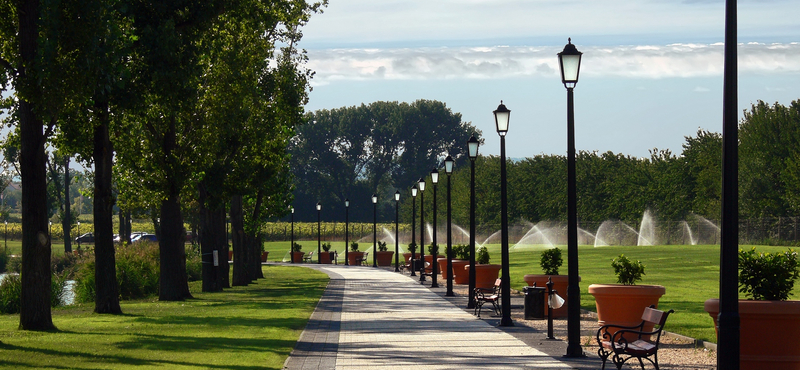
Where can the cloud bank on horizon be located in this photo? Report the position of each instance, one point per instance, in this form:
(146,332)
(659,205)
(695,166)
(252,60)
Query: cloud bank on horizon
(651,72)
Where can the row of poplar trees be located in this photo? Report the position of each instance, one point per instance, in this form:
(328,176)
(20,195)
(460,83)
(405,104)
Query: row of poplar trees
(174,102)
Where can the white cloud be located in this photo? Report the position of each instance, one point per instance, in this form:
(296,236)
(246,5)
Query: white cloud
(639,61)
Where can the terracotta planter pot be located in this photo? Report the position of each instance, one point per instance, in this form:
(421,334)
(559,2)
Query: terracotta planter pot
(230,255)
(560,284)
(407,257)
(624,304)
(264,256)
(460,276)
(485,275)
(384,258)
(298,257)
(429,259)
(325,257)
(769,332)
(353,256)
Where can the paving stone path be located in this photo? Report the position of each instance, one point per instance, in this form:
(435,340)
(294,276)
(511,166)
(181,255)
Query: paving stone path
(372,318)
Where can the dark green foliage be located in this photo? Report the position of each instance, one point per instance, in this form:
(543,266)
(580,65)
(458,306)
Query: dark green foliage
(628,272)
(433,249)
(194,264)
(4,256)
(551,260)
(297,247)
(382,246)
(353,247)
(482,256)
(137,273)
(767,276)
(412,247)
(327,246)
(11,288)
(461,251)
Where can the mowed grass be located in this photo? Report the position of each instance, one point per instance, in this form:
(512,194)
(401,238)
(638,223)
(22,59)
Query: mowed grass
(243,327)
(690,274)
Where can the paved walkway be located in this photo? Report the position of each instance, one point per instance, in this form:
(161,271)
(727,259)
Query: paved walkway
(372,318)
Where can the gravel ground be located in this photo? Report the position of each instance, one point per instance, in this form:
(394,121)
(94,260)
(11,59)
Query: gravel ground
(675,351)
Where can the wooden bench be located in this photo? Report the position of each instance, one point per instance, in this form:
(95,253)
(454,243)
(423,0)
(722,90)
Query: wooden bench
(633,341)
(308,257)
(363,259)
(488,295)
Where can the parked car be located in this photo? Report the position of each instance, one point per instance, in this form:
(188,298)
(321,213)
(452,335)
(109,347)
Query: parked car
(85,238)
(144,237)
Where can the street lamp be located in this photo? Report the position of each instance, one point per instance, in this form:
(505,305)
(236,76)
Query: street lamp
(421,186)
(570,62)
(448,169)
(728,317)
(434,264)
(413,227)
(319,234)
(396,230)
(346,229)
(291,247)
(472,146)
(501,118)
(374,230)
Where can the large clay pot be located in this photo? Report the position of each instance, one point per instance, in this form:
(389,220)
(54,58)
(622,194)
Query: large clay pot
(230,255)
(407,257)
(769,332)
(560,284)
(264,256)
(297,257)
(429,260)
(624,304)
(460,276)
(325,257)
(384,258)
(485,275)
(353,256)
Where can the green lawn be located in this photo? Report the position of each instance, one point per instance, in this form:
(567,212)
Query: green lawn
(244,327)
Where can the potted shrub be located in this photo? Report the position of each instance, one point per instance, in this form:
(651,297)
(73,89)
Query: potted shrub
(550,261)
(297,253)
(769,322)
(623,303)
(354,254)
(485,274)
(264,254)
(325,256)
(461,254)
(412,250)
(383,256)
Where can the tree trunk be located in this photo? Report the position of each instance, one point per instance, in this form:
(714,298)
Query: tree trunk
(222,242)
(254,239)
(35,311)
(66,223)
(210,240)
(174,285)
(240,257)
(105,273)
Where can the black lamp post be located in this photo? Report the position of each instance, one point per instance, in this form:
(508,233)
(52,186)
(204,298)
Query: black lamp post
(728,317)
(374,230)
(448,169)
(421,186)
(319,234)
(291,247)
(396,231)
(79,234)
(434,264)
(413,226)
(472,146)
(570,62)
(346,229)
(501,118)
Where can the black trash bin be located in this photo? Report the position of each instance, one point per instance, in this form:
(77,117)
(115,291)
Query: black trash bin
(418,264)
(534,302)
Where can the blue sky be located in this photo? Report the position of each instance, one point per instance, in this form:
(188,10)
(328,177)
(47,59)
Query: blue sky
(651,72)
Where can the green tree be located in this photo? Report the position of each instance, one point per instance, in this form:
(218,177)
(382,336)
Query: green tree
(702,161)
